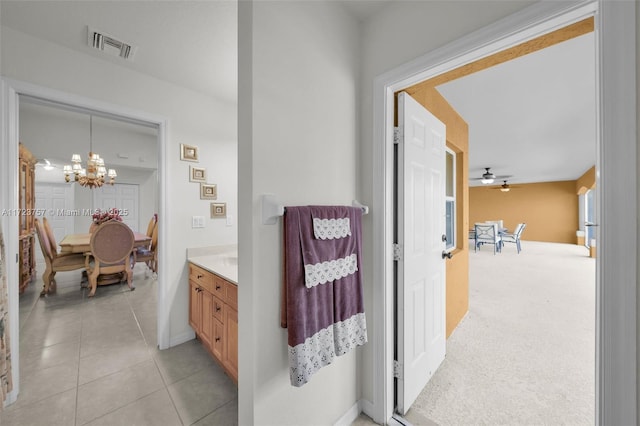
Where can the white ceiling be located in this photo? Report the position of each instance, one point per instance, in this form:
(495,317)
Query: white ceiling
(364,9)
(532,118)
(192,44)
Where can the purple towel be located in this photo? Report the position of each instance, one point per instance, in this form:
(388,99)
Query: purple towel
(324,305)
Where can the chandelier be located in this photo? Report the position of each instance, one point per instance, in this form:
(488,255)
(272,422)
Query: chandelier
(93,176)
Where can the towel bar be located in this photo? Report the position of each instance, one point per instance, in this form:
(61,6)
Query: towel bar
(272,209)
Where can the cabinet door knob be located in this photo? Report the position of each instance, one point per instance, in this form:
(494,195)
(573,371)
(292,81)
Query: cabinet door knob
(217,339)
(218,308)
(200,276)
(217,287)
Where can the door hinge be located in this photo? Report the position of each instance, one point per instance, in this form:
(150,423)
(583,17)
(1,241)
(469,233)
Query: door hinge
(397,370)
(397,251)
(398,135)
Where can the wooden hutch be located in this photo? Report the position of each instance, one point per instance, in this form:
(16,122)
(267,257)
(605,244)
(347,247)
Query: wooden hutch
(26,217)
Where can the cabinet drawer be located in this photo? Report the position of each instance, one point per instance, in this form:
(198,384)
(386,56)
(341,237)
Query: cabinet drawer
(201,277)
(219,287)
(226,291)
(218,309)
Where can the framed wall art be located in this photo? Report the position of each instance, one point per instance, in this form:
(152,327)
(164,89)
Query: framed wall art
(188,152)
(208,191)
(218,210)
(197,174)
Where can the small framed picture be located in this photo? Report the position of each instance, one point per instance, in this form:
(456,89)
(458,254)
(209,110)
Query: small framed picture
(197,174)
(218,210)
(188,152)
(208,191)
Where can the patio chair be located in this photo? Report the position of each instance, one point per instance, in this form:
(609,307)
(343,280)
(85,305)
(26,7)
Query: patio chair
(487,234)
(515,237)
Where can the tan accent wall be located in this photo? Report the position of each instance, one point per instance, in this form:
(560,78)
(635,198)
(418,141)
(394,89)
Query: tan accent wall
(457,268)
(549,209)
(587,181)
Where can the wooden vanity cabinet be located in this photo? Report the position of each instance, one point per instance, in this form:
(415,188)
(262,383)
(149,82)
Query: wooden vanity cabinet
(213,314)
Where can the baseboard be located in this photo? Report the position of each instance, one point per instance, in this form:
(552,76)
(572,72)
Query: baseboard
(11,398)
(181,338)
(350,416)
(367,408)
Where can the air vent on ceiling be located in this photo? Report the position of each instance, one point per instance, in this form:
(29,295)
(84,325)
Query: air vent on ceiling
(109,44)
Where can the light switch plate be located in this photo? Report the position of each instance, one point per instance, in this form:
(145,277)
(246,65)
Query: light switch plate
(197,221)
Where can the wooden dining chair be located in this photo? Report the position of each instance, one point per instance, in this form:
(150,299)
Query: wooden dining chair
(50,235)
(111,250)
(55,262)
(153,222)
(149,254)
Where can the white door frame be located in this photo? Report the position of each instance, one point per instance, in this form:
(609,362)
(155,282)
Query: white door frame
(617,210)
(10,91)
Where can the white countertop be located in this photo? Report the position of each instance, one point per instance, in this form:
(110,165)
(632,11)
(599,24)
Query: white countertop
(222,261)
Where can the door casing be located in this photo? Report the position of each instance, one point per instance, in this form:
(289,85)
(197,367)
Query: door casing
(617,210)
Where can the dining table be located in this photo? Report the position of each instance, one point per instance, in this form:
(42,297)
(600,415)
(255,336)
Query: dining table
(80,243)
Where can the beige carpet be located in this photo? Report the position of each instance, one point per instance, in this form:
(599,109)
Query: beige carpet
(525,352)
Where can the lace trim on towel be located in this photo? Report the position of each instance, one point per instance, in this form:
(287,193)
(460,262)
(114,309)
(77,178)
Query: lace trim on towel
(324,272)
(329,229)
(321,348)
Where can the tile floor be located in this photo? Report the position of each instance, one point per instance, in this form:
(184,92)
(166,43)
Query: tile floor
(95,362)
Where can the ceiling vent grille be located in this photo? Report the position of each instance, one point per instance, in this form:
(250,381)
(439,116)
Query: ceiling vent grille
(109,44)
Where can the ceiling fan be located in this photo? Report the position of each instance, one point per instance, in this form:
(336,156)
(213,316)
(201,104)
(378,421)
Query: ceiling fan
(45,164)
(488,177)
(505,187)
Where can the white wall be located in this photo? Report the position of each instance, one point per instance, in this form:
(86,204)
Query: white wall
(54,134)
(299,65)
(192,118)
(397,34)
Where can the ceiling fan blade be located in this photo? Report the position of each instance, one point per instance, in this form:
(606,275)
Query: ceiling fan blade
(496,178)
(488,174)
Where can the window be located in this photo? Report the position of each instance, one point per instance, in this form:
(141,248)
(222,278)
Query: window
(450,198)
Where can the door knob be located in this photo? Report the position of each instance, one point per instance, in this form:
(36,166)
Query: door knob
(446,254)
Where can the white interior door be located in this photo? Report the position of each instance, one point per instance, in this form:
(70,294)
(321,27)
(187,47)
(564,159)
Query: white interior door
(123,197)
(57,202)
(421,268)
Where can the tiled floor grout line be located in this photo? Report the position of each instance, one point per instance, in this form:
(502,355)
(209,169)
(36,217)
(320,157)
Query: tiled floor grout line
(155,362)
(115,372)
(219,407)
(82,311)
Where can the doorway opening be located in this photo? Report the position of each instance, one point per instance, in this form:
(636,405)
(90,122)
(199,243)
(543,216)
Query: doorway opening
(480,89)
(12,93)
(616,364)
